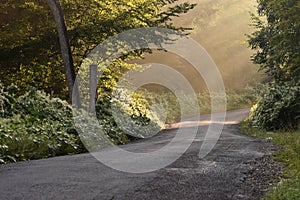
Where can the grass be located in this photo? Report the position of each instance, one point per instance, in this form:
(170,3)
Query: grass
(289,156)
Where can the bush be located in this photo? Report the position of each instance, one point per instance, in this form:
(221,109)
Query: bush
(279,108)
(106,119)
(126,116)
(35,125)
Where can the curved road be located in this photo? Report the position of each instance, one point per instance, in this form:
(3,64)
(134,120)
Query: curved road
(220,175)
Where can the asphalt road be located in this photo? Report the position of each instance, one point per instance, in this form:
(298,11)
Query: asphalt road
(220,175)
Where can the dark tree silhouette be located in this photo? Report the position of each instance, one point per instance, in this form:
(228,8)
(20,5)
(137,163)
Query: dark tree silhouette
(65,50)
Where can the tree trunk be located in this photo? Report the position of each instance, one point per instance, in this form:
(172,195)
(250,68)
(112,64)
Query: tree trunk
(93,87)
(65,50)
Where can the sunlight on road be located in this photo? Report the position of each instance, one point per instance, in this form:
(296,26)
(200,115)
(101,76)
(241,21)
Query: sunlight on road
(232,117)
(195,123)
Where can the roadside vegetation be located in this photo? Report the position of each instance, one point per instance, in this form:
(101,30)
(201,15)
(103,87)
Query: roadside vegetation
(35,114)
(36,124)
(289,155)
(276,115)
(244,98)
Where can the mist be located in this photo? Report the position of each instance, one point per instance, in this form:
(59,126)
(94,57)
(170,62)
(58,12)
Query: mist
(220,26)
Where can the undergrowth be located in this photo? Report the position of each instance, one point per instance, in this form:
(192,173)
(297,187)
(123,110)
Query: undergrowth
(36,125)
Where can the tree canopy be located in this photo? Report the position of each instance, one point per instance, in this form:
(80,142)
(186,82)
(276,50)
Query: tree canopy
(277,39)
(29,44)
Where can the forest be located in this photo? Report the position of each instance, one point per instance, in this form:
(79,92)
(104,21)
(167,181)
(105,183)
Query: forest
(43,44)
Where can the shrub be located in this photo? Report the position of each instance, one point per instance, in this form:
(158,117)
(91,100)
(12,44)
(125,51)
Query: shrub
(7,102)
(126,116)
(35,125)
(106,119)
(279,108)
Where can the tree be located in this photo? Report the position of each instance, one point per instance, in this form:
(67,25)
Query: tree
(65,48)
(277,42)
(29,42)
(277,39)
(29,47)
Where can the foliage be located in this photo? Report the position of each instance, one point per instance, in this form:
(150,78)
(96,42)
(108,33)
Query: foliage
(245,98)
(31,56)
(169,110)
(278,53)
(132,112)
(104,113)
(123,120)
(279,108)
(35,125)
(29,43)
(289,186)
(277,39)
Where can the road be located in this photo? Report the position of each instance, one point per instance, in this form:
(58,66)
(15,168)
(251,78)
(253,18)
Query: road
(220,175)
